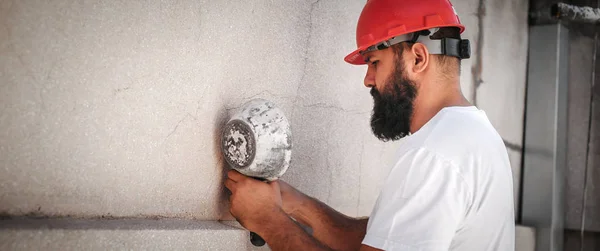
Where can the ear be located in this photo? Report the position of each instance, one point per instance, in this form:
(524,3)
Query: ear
(421,57)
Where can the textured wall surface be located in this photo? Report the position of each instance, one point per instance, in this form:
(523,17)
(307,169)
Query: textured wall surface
(592,213)
(113,108)
(165,234)
(580,80)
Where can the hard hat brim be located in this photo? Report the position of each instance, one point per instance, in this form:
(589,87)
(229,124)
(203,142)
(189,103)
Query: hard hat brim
(355,58)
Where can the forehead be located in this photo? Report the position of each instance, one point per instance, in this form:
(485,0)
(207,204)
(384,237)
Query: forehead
(378,53)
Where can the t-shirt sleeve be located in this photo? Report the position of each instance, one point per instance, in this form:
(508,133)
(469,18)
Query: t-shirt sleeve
(421,206)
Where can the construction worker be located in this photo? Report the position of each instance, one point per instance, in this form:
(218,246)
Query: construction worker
(451,188)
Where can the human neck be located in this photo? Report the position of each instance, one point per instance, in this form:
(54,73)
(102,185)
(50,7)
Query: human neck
(441,96)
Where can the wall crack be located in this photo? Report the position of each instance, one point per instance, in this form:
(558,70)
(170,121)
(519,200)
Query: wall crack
(245,99)
(327,106)
(305,59)
(187,115)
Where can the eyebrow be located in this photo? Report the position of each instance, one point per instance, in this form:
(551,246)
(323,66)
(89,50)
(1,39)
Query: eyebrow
(368,60)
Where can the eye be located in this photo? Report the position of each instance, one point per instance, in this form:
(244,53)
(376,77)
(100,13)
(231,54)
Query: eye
(374,63)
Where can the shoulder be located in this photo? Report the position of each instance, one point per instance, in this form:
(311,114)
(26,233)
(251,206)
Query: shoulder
(456,133)
(459,125)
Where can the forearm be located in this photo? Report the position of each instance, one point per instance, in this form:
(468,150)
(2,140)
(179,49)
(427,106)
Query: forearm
(284,234)
(330,227)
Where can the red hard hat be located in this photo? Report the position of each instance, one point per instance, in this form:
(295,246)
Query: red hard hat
(382,20)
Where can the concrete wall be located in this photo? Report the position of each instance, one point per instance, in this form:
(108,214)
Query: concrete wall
(583,176)
(593,192)
(581,64)
(581,180)
(111,109)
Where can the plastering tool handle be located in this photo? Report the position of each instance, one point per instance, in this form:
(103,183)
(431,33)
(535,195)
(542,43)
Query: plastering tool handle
(256,240)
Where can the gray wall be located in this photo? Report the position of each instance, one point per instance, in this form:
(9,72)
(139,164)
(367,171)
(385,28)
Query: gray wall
(113,108)
(583,171)
(580,80)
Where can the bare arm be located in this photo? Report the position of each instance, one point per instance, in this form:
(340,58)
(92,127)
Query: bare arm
(287,235)
(330,227)
(258,206)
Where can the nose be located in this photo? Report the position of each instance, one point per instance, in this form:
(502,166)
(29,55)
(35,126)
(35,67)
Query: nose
(370,77)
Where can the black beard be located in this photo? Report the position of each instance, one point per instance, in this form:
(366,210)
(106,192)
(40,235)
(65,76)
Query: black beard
(393,107)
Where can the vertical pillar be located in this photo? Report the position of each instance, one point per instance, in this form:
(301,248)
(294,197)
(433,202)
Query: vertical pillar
(545,143)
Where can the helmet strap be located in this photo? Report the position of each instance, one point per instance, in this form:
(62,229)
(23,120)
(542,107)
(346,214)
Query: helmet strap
(460,48)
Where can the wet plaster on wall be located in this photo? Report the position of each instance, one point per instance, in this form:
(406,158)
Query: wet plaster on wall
(157,154)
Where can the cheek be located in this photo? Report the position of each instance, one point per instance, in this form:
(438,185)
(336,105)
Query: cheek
(384,82)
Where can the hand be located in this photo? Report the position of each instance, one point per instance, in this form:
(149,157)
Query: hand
(253,202)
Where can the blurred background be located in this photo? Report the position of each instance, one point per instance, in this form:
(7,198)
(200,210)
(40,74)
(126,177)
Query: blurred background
(110,113)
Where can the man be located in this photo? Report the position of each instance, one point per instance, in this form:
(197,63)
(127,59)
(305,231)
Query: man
(451,188)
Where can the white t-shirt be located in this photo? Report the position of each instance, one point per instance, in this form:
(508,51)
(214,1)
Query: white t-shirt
(451,189)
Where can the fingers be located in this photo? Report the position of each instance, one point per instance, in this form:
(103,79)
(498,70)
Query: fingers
(235,175)
(230,184)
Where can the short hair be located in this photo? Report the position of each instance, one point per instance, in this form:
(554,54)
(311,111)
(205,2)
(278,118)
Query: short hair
(448,64)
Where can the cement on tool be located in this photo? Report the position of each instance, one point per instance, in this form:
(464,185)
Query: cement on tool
(238,144)
(261,122)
